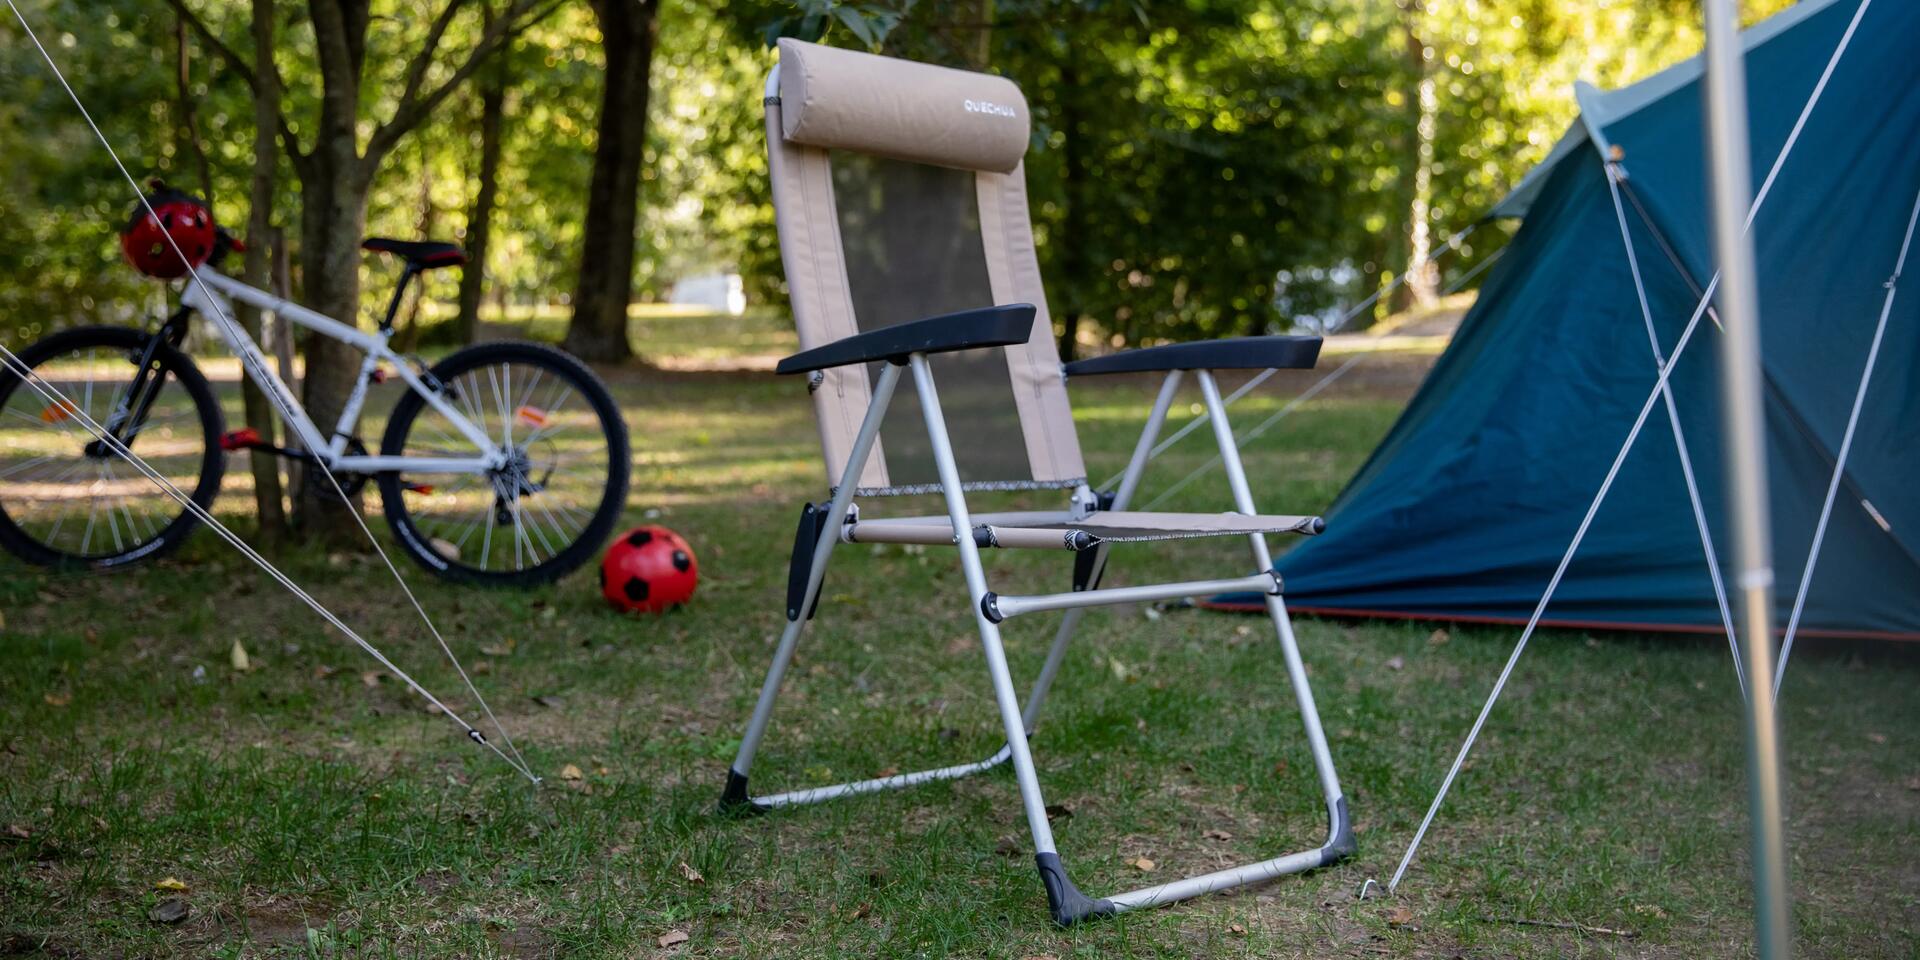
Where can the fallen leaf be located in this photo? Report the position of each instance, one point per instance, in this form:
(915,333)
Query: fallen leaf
(499,649)
(170,910)
(1142,864)
(1059,811)
(549,701)
(482,667)
(1007,847)
(371,678)
(673,938)
(1237,928)
(58,699)
(1217,835)
(692,875)
(571,772)
(885,772)
(1040,956)
(1399,916)
(174,884)
(1397,663)
(323,671)
(238,657)
(1877,737)
(1439,638)
(1650,910)
(18,832)
(1913,783)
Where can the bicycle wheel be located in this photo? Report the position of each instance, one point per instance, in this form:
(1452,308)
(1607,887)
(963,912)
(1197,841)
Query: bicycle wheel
(68,500)
(549,508)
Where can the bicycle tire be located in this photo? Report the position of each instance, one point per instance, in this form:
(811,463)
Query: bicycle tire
(23,544)
(585,543)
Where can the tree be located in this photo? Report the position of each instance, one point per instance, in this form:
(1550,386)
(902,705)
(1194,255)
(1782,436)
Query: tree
(493,109)
(255,269)
(337,170)
(598,330)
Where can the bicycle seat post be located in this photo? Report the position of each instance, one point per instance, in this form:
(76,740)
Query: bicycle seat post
(399,293)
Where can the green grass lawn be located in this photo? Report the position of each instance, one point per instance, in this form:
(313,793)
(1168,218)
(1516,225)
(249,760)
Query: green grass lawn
(313,808)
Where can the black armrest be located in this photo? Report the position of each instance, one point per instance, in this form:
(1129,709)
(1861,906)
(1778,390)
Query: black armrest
(967,330)
(1238,353)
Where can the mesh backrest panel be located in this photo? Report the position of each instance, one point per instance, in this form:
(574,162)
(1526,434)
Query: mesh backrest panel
(911,238)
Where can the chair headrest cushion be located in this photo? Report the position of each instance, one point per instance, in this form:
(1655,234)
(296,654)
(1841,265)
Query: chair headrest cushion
(847,100)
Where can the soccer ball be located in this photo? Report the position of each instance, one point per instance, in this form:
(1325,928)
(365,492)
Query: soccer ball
(648,570)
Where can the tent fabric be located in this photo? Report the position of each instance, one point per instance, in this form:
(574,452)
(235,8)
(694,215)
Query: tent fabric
(1464,510)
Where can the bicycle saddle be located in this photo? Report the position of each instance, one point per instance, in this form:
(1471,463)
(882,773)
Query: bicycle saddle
(420,254)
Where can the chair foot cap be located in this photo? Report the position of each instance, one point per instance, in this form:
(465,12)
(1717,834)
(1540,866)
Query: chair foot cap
(1067,904)
(735,801)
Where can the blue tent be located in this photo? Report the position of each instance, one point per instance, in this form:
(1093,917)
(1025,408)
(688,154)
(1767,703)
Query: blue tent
(1464,510)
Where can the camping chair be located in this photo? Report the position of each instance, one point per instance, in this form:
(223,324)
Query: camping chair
(899,193)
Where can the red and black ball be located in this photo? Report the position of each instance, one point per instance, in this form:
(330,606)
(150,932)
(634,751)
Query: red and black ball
(649,569)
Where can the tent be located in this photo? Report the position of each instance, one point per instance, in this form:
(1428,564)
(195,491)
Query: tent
(1463,511)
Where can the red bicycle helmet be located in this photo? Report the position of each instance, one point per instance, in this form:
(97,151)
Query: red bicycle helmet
(184,218)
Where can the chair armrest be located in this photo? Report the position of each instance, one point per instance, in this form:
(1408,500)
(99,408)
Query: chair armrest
(967,330)
(1238,353)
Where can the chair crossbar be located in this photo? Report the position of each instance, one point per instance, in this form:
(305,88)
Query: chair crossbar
(998,607)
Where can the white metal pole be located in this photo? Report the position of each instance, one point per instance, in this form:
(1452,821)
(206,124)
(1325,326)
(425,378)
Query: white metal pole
(1744,426)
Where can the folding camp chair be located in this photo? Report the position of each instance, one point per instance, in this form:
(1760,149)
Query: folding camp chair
(900,194)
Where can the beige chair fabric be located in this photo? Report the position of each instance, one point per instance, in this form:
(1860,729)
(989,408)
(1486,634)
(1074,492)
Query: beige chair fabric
(841,100)
(846,100)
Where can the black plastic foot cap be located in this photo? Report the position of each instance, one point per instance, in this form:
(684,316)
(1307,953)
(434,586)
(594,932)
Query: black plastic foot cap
(734,800)
(1341,844)
(1068,905)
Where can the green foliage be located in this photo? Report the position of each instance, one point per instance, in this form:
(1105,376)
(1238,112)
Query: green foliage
(1201,167)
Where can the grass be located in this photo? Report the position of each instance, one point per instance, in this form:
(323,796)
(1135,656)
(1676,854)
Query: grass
(314,809)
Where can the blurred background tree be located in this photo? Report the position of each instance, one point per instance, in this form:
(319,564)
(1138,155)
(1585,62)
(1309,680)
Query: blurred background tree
(1199,167)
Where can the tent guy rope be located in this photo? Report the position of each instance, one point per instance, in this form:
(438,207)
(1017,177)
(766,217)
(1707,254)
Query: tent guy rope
(282,404)
(1653,396)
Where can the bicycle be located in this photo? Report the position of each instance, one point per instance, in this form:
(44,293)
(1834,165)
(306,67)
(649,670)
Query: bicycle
(482,443)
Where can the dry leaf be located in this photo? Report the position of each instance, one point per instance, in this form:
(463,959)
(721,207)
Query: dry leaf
(1913,783)
(1650,910)
(18,832)
(174,884)
(571,772)
(1438,638)
(58,699)
(1040,956)
(1399,916)
(1059,811)
(238,657)
(499,649)
(1007,847)
(1397,663)
(1237,928)
(673,938)
(1877,737)
(1217,835)
(692,875)
(885,772)
(371,678)
(1142,864)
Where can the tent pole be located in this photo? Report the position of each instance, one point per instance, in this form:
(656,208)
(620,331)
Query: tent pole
(1745,441)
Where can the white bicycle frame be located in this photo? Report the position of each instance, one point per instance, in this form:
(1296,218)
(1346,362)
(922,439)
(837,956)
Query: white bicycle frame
(332,449)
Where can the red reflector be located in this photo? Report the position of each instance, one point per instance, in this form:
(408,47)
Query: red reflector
(379,375)
(240,439)
(419,488)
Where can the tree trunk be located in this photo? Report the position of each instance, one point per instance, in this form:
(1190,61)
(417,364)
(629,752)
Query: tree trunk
(493,102)
(256,271)
(598,330)
(333,216)
(1416,176)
